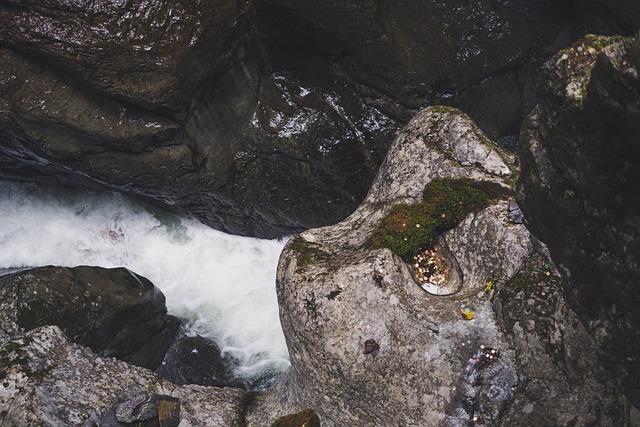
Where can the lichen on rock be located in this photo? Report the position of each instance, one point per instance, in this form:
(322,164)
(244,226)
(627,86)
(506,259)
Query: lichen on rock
(424,368)
(579,186)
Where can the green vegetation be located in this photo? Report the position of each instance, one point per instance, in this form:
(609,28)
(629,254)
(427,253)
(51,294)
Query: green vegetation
(600,42)
(306,253)
(444,109)
(410,229)
(10,356)
(577,61)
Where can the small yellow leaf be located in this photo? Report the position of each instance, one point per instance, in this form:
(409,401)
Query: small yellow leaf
(467,314)
(489,286)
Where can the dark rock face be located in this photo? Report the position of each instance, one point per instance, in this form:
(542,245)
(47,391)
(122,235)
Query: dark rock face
(260,118)
(557,357)
(181,105)
(197,360)
(579,190)
(174,103)
(607,16)
(113,311)
(404,56)
(115,48)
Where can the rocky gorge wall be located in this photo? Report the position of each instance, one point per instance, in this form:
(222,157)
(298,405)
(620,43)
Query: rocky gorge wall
(523,332)
(495,343)
(259,118)
(579,189)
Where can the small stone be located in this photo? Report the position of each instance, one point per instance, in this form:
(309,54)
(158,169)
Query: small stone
(168,411)
(309,237)
(371,347)
(140,407)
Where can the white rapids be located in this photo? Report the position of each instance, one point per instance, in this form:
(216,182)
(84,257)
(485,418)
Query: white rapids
(221,286)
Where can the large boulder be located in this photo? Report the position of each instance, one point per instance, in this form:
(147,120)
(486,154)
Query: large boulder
(579,189)
(372,343)
(152,55)
(115,312)
(403,57)
(198,360)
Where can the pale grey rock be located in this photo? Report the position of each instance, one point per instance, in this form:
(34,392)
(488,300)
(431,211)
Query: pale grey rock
(369,347)
(50,381)
(427,370)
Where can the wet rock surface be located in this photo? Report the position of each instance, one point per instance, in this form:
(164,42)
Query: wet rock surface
(578,190)
(115,312)
(368,345)
(198,360)
(261,118)
(48,380)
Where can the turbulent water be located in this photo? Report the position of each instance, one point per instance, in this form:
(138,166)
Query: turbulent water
(221,286)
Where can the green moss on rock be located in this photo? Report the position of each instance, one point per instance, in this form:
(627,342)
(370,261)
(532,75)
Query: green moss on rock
(409,229)
(445,109)
(306,253)
(575,65)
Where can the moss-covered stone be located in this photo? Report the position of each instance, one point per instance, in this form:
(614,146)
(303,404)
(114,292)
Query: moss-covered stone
(444,109)
(574,66)
(306,253)
(409,229)
(12,356)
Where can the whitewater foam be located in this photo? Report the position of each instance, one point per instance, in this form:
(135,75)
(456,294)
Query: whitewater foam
(221,286)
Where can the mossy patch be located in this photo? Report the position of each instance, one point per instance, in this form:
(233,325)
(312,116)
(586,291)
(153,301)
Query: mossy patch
(12,356)
(409,229)
(306,253)
(576,62)
(444,109)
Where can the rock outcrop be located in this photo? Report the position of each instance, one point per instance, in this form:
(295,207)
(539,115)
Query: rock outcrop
(262,120)
(579,190)
(369,346)
(198,360)
(49,381)
(492,344)
(115,312)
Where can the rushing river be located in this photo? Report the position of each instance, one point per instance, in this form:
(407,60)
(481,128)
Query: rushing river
(221,286)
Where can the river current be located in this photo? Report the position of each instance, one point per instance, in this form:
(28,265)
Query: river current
(221,286)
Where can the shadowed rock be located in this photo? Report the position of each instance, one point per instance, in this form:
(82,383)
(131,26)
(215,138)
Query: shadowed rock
(579,190)
(113,311)
(259,122)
